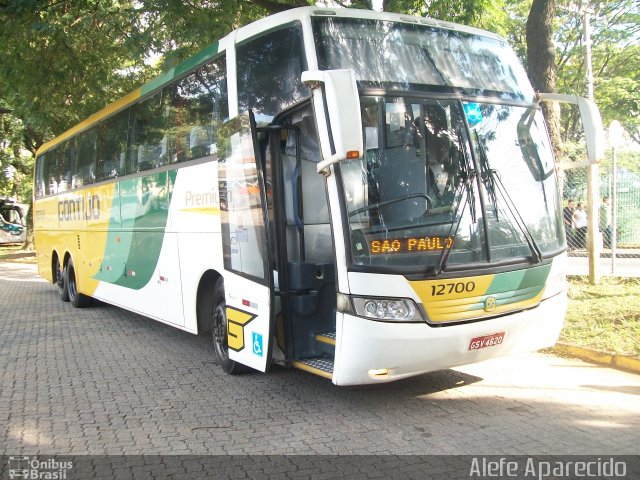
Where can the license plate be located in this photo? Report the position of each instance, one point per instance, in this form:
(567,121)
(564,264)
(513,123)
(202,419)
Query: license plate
(486,341)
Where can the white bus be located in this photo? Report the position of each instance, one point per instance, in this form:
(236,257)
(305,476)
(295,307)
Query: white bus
(365,196)
(13,221)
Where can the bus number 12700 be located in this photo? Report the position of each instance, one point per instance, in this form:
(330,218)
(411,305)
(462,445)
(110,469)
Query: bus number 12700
(449,288)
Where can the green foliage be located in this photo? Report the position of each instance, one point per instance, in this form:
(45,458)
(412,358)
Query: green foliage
(15,162)
(487,14)
(66,60)
(63,60)
(514,27)
(615,52)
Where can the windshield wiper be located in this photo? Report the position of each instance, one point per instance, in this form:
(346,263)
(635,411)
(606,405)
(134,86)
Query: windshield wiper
(466,178)
(378,205)
(493,183)
(466,197)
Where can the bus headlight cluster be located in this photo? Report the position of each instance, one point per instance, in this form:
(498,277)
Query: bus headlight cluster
(387,309)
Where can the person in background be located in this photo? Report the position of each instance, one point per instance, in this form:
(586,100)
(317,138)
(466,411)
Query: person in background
(580,222)
(604,222)
(569,228)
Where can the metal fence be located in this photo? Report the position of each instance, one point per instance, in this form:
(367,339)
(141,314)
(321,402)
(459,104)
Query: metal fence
(626,204)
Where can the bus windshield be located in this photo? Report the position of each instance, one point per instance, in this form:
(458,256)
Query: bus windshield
(450,183)
(406,56)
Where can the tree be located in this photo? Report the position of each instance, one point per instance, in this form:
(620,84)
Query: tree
(15,163)
(541,66)
(615,52)
(64,59)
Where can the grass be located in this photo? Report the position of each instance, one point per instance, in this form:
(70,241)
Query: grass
(604,316)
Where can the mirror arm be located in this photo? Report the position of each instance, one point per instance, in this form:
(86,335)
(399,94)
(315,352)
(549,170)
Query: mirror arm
(323,166)
(591,121)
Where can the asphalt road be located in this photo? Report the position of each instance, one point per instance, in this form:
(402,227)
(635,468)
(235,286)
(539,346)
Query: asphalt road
(106,381)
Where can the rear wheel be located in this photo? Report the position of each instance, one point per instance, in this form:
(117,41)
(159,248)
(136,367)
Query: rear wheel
(78,300)
(215,310)
(59,279)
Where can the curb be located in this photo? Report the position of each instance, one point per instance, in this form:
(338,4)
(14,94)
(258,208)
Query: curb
(608,359)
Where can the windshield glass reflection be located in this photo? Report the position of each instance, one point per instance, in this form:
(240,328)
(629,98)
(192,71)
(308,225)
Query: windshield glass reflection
(444,183)
(406,56)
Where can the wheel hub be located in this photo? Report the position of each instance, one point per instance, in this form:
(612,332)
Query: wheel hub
(220,328)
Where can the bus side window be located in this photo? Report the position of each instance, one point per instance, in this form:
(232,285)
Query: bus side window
(85,165)
(150,134)
(40,178)
(269,70)
(215,112)
(112,146)
(50,182)
(64,166)
(199,106)
(57,170)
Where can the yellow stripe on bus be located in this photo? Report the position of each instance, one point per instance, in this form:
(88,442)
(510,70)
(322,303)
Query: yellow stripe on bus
(468,298)
(202,210)
(80,231)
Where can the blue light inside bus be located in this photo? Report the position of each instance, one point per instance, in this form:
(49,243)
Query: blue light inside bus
(473,113)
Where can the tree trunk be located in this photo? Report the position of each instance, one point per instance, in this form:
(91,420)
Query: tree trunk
(541,65)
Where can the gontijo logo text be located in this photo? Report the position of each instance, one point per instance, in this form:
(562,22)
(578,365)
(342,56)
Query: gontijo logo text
(79,208)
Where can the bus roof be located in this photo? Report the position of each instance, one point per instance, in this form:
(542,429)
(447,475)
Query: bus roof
(241,34)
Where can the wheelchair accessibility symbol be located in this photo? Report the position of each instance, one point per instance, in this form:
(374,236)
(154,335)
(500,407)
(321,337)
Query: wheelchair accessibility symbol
(256,342)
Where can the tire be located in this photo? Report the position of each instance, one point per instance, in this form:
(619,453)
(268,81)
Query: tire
(60,280)
(78,300)
(215,314)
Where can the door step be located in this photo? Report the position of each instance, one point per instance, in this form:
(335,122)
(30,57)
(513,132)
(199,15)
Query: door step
(325,344)
(318,366)
(327,337)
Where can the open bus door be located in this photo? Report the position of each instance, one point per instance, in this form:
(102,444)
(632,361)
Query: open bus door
(248,277)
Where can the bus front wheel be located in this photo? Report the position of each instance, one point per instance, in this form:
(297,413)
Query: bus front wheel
(217,315)
(77,299)
(59,279)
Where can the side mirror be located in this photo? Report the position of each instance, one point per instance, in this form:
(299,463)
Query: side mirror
(342,111)
(591,121)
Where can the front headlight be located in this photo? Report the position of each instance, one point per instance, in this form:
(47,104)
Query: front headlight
(387,309)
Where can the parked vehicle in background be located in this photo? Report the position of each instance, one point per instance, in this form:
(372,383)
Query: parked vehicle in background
(13,221)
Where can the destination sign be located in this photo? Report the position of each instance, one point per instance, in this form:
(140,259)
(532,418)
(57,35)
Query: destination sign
(410,245)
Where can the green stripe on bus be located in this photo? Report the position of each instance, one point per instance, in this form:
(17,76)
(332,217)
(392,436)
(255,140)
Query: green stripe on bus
(518,286)
(199,58)
(117,246)
(520,279)
(136,235)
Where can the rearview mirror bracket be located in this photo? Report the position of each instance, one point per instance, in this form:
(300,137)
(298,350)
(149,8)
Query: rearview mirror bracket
(591,121)
(341,112)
